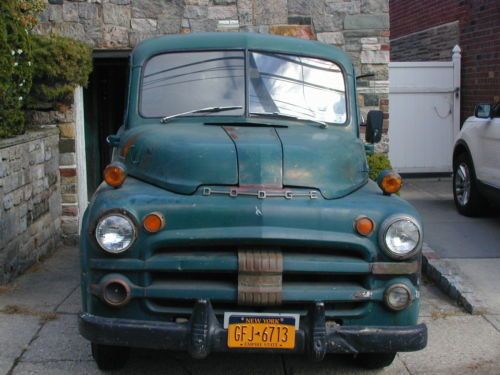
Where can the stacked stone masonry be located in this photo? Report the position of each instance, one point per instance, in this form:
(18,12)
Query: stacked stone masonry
(360,27)
(30,200)
(64,120)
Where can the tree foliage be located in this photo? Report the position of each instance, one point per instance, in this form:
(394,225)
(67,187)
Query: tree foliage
(60,65)
(15,69)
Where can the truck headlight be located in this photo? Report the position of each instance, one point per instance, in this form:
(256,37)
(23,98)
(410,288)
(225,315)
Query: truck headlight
(115,233)
(400,236)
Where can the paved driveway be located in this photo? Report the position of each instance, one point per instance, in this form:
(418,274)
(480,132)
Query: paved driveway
(38,335)
(450,234)
(470,245)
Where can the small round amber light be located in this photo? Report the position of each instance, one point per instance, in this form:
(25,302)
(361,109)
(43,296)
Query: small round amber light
(364,225)
(390,182)
(153,222)
(114,175)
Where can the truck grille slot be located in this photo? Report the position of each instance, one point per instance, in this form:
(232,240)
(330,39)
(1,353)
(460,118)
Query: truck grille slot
(172,279)
(183,308)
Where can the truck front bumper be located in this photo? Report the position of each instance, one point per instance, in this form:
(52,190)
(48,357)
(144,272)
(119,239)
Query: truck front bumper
(204,334)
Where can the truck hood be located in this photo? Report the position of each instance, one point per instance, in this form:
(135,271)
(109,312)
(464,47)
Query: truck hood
(181,157)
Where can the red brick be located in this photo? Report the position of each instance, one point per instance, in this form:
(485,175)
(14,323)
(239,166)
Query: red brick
(70,211)
(67,172)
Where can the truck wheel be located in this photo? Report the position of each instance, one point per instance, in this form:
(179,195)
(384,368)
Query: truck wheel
(110,357)
(465,194)
(375,360)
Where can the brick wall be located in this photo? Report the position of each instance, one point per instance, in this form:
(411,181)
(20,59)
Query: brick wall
(415,27)
(480,43)
(434,44)
(410,16)
(30,200)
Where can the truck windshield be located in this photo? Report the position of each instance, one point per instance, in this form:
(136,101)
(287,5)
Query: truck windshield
(175,83)
(278,85)
(302,87)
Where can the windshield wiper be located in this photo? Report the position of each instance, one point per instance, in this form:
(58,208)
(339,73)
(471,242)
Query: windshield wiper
(201,110)
(282,115)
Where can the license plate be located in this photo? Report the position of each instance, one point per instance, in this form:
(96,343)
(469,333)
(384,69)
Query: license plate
(261,331)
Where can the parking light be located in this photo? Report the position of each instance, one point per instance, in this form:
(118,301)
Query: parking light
(364,225)
(153,222)
(389,181)
(115,175)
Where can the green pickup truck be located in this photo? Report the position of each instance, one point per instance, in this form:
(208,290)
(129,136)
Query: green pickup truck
(237,214)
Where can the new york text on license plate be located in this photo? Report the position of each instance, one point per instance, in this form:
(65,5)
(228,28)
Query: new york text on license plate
(261,331)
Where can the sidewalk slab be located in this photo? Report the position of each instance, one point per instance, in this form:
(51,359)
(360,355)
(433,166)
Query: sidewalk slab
(494,320)
(337,364)
(59,340)
(73,304)
(434,303)
(483,276)
(58,368)
(16,332)
(46,284)
(457,345)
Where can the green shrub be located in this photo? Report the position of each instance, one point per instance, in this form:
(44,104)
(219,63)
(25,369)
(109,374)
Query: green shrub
(15,69)
(28,12)
(377,163)
(60,65)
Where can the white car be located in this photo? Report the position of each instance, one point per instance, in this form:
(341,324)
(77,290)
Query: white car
(476,161)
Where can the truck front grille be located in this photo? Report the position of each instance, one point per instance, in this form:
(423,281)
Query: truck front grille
(171,280)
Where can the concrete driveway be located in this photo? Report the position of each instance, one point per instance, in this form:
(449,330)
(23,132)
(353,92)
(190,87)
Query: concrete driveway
(38,335)
(469,245)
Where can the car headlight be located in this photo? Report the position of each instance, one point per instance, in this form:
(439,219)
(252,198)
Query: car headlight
(115,233)
(400,236)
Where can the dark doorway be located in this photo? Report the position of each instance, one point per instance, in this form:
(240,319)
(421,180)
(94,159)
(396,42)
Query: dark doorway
(104,103)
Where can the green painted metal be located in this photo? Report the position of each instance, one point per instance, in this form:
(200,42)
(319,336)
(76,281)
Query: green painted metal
(228,262)
(171,165)
(176,157)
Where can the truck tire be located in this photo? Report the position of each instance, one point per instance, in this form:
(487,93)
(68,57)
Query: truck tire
(375,360)
(468,200)
(110,357)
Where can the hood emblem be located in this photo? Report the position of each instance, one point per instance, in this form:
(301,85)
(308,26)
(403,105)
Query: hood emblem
(261,194)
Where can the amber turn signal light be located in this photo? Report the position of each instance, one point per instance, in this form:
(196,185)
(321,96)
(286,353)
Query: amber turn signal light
(153,222)
(364,225)
(115,175)
(390,182)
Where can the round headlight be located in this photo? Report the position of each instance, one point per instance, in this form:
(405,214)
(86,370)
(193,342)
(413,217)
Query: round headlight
(397,297)
(400,237)
(115,233)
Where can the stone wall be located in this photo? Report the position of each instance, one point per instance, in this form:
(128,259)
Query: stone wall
(30,200)
(360,27)
(63,118)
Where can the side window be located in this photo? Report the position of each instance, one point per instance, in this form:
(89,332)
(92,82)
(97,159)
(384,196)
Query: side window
(496,110)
